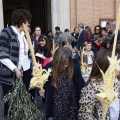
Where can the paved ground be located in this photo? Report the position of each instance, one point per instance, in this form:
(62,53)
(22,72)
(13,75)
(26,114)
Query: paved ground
(1,104)
(39,103)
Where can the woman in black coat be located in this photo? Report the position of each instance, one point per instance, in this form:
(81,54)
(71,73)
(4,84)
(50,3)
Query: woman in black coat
(97,34)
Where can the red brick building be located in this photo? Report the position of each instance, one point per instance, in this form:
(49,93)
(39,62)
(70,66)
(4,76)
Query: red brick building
(64,13)
(92,12)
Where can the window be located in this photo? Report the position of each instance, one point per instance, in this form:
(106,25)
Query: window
(103,21)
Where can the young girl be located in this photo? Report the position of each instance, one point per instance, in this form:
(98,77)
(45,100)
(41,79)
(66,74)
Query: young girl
(90,107)
(61,98)
(42,51)
(88,59)
(63,90)
(52,51)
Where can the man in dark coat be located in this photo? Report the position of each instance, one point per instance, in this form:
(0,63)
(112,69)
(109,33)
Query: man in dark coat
(108,25)
(50,36)
(113,29)
(82,37)
(57,32)
(75,35)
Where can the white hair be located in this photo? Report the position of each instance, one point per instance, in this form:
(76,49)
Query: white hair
(113,24)
(81,25)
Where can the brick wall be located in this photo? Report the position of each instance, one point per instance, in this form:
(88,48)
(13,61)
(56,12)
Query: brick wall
(73,14)
(117,6)
(90,11)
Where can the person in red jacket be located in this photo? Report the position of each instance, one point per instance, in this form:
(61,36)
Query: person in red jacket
(104,41)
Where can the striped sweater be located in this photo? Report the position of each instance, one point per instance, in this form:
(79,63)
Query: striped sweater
(9,44)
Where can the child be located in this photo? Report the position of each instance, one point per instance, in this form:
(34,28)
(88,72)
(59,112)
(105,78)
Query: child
(88,59)
(49,59)
(60,89)
(43,49)
(63,89)
(90,107)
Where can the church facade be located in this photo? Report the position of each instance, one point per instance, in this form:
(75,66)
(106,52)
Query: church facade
(64,13)
(93,12)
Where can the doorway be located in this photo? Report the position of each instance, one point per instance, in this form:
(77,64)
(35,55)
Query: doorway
(40,10)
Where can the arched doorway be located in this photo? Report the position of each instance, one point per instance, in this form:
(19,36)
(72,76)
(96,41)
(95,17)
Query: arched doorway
(40,10)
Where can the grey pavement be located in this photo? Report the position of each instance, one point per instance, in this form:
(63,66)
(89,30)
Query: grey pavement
(1,104)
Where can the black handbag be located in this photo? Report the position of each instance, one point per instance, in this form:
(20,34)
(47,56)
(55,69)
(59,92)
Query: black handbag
(6,75)
(5,72)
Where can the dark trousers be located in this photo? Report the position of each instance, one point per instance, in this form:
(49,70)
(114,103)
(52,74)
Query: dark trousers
(26,80)
(27,75)
(6,88)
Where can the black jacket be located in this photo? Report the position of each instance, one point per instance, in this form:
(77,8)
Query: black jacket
(76,37)
(82,38)
(110,32)
(118,38)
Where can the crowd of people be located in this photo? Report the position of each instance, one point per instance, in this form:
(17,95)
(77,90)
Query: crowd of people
(70,92)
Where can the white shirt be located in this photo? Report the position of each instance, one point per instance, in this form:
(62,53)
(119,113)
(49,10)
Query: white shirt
(89,54)
(24,61)
(114,109)
(80,33)
(113,33)
(90,60)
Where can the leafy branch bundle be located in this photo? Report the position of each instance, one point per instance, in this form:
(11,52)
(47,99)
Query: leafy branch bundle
(20,105)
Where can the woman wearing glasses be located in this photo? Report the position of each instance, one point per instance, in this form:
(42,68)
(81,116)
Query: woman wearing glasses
(96,35)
